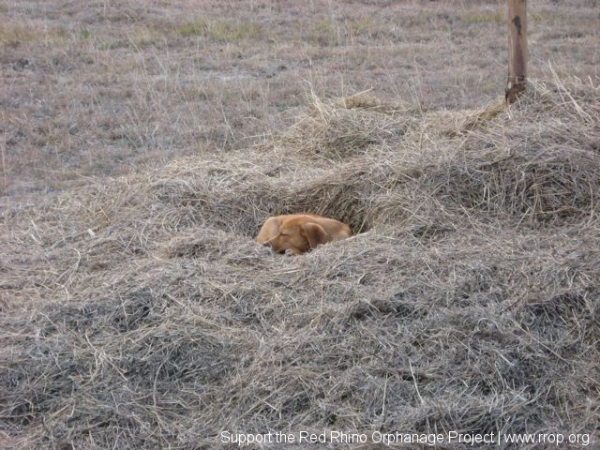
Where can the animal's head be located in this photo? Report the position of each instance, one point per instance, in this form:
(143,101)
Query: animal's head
(298,236)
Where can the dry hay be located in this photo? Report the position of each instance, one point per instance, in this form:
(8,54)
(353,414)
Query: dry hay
(140,314)
(347,127)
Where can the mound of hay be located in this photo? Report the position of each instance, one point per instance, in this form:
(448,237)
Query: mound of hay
(140,313)
(349,127)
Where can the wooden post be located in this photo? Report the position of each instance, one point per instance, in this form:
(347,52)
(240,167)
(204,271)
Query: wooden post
(517,49)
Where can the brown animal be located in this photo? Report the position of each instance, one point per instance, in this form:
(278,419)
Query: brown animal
(299,233)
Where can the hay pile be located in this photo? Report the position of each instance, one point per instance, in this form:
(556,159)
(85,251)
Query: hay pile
(140,314)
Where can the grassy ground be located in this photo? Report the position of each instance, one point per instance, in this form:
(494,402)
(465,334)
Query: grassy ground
(143,144)
(101,88)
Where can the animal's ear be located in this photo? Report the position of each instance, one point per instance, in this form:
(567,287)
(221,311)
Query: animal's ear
(315,234)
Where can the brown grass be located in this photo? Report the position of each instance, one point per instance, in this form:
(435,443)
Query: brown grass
(140,313)
(137,312)
(100,88)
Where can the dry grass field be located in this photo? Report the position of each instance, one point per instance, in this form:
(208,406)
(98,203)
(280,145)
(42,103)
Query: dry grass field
(142,145)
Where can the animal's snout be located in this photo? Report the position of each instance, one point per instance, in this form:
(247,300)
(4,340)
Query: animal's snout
(269,245)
